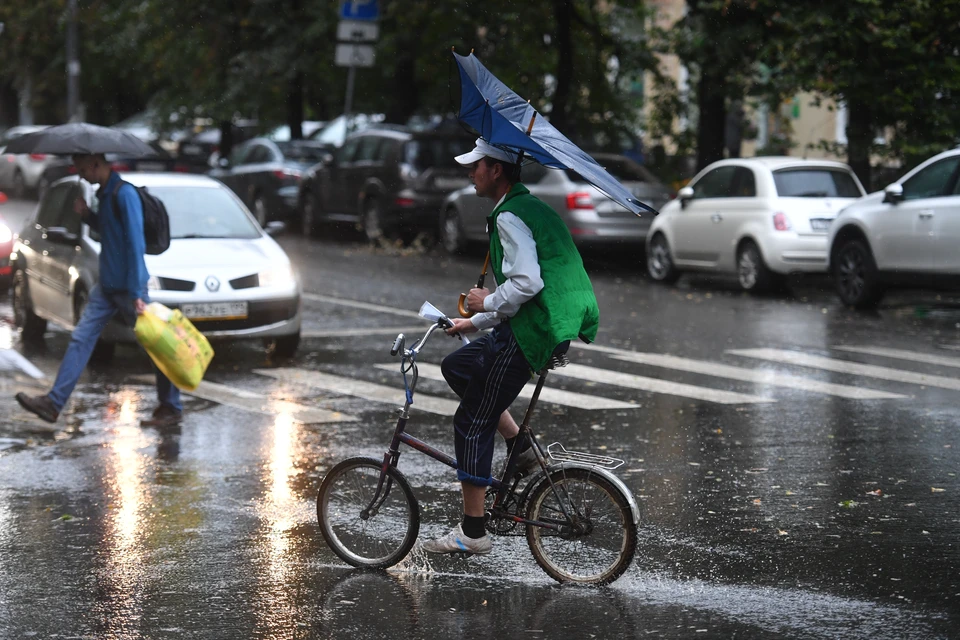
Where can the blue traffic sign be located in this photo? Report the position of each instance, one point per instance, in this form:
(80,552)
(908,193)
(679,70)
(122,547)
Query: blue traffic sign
(359,10)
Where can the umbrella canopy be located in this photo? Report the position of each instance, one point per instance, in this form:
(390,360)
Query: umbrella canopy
(80,138)
(502,118)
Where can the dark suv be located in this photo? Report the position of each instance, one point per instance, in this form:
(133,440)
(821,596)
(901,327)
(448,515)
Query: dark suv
(389,181)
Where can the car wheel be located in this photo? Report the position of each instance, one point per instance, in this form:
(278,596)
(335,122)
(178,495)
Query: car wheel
(19,185)
(284,346)
(32,326)
(372,220)
(855,275)
(102,351)
(451,231)
(308,212)
(752,273)
(659,263)
(260,210)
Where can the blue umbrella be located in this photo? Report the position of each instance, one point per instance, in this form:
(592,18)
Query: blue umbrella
(504,119)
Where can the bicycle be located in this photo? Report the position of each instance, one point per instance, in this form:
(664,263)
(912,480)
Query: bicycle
(573,510)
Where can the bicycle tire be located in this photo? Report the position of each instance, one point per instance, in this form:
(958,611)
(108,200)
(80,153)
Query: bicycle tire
(558,555)
(382,540)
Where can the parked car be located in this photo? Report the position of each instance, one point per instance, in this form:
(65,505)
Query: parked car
(222,270)
(202,148)
(907,235)
(334,133)
(6,248)
(266,175)
(20,173)
(62,166)
(388,181)
(760,218)
(282,133)
(592,217)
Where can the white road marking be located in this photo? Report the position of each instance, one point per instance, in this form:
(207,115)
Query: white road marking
(764,377)
(360,389)
(555,396)
(903,354)
(655,385)
(259,403)
(785,356)
(346,302)
(350,333)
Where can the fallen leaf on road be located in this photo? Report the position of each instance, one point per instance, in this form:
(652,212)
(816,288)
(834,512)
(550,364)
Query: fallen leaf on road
(936,490)
(876,492)
(757,501)
(848,504)
(781,532)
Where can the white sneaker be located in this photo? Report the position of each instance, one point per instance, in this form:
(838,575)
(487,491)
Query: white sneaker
(457,542)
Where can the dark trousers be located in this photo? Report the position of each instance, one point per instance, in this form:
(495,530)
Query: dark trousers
(488,375)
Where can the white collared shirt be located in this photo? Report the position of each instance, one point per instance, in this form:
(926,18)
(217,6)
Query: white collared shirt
(521,270)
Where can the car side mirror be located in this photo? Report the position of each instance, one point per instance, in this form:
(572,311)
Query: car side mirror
(60,235)
(275,228)
(893,193)
(684,195)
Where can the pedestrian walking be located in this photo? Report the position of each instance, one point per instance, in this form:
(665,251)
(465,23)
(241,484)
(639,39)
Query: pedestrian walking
(121,290)
(543,300)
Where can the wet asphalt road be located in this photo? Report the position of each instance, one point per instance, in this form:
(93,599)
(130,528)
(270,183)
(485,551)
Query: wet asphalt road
(770,506)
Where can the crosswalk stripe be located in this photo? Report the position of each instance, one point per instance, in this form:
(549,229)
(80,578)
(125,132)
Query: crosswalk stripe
(630,381)
(902,354)
(771,378)
(842,366)
(360,389)
(258,403)
(554,396)
(357,304)
(350,333)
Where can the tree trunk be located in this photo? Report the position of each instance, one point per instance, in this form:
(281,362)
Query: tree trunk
(859,139)
(712,119)
(295,105)
(563,13)
(226,138)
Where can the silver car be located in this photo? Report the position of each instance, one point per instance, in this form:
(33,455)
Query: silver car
(592,217)
(21,173)
(222,270)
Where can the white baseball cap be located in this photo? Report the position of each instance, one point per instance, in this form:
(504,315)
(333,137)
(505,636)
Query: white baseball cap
(485,150)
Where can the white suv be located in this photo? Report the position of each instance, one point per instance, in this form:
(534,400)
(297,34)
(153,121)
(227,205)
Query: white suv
(761,218)
(906,235)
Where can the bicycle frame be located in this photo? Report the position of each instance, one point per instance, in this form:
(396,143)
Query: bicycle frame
(400,436)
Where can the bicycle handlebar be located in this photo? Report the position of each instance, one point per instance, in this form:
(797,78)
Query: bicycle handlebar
(397,345)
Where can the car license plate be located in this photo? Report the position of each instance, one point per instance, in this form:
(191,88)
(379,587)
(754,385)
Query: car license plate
(820,224)
(215,311)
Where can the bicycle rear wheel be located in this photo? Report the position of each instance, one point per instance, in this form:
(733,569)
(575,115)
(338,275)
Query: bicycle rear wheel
(598,542)
(383,538)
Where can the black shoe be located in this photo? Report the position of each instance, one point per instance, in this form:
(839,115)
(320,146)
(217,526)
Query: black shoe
(40,405)
(163,416)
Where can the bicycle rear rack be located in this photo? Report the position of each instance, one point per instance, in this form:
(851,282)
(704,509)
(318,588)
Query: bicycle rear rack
(558,453)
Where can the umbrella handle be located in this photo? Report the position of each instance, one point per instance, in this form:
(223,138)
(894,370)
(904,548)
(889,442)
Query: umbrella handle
(462,303)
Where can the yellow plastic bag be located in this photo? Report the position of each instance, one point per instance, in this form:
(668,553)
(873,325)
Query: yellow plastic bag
(180,351)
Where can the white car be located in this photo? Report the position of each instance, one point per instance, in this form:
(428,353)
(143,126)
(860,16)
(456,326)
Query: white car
(906,235)
(761,218)
(22,172)
(222,270)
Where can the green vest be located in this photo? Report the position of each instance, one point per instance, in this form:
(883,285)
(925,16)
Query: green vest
(566,307)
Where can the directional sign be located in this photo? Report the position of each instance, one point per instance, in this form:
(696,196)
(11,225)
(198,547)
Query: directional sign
(357,31)
(355,55)
(359,10)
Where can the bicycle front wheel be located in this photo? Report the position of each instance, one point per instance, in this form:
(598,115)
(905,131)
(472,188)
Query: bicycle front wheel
(596,544)
(377,539)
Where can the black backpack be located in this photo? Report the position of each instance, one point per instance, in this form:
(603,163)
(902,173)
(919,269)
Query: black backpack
(156,222)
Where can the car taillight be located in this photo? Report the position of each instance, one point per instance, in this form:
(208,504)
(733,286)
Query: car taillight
(181,168)
(579,200)
(11,158)
(120,166)
(403,202)
(283,174)
(781,222)
(39,157)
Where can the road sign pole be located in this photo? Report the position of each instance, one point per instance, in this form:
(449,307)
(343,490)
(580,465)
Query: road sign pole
(348,102)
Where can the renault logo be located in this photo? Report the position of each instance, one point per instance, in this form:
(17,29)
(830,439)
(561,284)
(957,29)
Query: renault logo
(212,283)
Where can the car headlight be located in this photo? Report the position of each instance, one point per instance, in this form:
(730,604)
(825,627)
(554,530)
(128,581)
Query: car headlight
(5,234)
(276,276)
(153,284)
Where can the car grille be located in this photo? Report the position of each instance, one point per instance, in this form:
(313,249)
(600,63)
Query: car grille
(172,284)
(246,282)
(259,313)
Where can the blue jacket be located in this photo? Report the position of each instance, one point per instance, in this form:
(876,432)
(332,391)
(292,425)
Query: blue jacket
(122,245)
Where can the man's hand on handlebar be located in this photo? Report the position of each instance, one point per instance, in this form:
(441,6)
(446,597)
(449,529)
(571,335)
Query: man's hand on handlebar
(461,326)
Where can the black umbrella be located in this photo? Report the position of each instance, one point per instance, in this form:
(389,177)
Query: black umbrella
(80,138)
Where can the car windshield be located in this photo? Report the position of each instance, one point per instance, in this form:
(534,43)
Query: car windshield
(205,212)
(623,169)
(815,183)
(424,153)
(299,152)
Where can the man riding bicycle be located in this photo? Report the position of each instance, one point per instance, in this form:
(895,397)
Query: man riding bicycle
(543,300)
